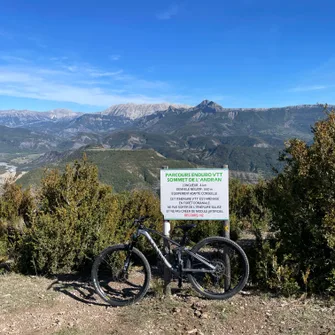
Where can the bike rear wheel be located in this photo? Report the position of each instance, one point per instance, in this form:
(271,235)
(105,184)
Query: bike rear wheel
(121,277)
(232,268)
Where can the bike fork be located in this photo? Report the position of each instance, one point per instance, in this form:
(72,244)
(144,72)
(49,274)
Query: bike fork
(127,261)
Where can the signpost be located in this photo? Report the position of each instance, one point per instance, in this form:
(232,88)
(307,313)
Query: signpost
(226,225)
(194,194)
(167,273)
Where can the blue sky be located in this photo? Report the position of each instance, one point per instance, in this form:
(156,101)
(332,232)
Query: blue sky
(88,55)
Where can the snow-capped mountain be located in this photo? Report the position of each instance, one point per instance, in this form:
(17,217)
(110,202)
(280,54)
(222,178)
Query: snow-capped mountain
(135,111)
(123,113)
(57,114)
(25,118)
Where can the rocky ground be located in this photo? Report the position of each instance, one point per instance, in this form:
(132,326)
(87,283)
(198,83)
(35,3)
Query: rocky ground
(36,305)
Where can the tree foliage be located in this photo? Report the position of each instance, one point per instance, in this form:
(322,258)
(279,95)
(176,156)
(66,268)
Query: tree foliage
(302,201)
(75,217)
(16,206)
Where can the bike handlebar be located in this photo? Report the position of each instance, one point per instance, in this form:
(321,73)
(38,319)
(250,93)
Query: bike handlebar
(140,219)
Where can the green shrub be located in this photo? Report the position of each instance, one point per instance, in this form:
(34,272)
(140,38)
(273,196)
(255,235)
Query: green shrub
(3,248)
(16,206)
(270,271)
(302,201)
(76,218)
(133,205)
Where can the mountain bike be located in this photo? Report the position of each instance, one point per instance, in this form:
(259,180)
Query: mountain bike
(216,267)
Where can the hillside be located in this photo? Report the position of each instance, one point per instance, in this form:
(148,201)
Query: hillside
(123,169)
(210,119)
(16,140)
(241,153)
(248,140)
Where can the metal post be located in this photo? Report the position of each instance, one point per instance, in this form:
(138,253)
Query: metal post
(226,233)
(167,272)
(226,228)
(226,225)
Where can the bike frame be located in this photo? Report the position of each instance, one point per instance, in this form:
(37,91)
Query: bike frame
(181,249)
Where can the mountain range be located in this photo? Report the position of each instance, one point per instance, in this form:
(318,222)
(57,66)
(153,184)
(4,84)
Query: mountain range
(248,139)
(25,118)
(169,118)
(67,119)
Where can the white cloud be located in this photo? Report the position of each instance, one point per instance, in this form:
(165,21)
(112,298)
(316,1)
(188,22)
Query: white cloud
(168,13)
(11,59)
(8,76)
(97,74)
(319,78)
(308,88)
(114,57)
(38,88)
(57,59)
(71,68)
(80,83)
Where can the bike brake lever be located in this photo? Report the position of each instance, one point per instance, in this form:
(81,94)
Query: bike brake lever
(143,218)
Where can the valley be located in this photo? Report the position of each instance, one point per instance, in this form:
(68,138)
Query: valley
(6,172)
(132,137)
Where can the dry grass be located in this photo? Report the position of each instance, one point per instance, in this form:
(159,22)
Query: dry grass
(18,291)
(36,305)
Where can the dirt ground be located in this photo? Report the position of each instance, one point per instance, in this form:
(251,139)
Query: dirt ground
(36,305)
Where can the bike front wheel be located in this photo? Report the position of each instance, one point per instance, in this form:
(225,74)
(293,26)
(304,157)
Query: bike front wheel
(121,276)
(231,268)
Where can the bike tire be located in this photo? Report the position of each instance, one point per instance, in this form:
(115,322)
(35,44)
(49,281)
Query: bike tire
(109,281)
(219,259)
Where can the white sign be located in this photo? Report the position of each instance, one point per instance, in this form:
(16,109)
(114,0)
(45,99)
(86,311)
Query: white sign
(195,194)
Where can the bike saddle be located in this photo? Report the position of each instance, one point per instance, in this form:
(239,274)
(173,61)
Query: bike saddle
(186,227)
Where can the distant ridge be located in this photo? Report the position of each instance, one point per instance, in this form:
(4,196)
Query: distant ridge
(205,119)
(132,111)
(135,111)
(208,104)
(247,139)
(23,118)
